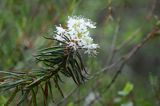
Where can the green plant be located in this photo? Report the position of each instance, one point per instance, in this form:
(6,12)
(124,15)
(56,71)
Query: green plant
(122,99)
(61,59)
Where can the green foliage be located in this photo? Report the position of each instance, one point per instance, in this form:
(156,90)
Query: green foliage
(2,100)
(23,22)
(126,90)
(123,99)
(70,104)
(56,59)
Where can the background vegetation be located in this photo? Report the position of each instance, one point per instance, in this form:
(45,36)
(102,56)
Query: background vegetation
(121,25)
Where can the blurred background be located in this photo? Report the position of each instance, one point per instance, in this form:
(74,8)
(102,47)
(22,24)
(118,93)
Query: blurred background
(120,24)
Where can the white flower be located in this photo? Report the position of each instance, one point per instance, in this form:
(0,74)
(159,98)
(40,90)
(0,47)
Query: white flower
(73,45)
(90,24)
(59,38)
(91,49)
(79,24)
(78,35)
(87,40)
(60,30)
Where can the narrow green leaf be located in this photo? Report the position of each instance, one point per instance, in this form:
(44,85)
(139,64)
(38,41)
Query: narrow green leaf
(34,83)
(11,97)
(57,85)
(34,97)
(45,99)
(50,89)
(72,75)
(24,96)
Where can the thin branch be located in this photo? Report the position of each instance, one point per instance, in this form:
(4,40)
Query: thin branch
(135,49)
(151,11)
(128,39)
(122,60)
(67,96)
(112,54)
(11,97)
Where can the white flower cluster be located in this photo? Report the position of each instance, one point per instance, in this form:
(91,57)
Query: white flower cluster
(77,35)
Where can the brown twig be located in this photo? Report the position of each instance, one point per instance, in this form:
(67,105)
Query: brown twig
(67,96)
(151,11)
(123,44)
(113,52)
(135,49)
